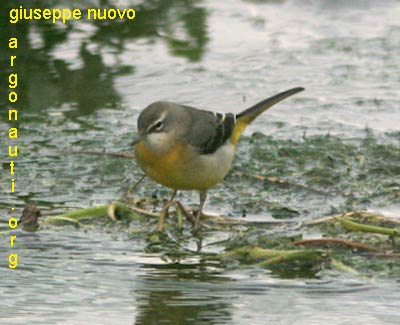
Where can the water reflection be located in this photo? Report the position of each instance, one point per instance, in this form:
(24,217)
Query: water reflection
(180,23)
(77,63)
(178,294)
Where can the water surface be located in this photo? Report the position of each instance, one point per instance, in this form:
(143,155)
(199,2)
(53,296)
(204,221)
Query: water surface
(82,87)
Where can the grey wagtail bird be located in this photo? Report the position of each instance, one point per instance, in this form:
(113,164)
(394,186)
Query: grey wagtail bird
(185,148)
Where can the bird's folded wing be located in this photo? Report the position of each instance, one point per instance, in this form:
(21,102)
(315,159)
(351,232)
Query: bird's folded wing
(210,130)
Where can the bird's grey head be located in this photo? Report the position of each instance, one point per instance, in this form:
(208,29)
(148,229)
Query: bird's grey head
(159,124)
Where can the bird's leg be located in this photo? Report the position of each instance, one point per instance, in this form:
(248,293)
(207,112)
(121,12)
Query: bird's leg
(203,197)
(171,201)
(189,216)
(132,188)
(164,212)
(173,195)
(163,215)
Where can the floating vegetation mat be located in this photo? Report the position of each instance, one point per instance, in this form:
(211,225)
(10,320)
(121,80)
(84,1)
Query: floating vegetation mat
(359,242)
(312,198)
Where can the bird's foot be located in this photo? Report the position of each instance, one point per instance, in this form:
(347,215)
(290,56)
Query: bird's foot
(180,209)
(197,224)
(163,216)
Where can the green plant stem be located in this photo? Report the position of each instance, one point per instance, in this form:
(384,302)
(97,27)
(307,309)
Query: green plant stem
(354,226)
(92,212)
(62,218)
(340,266)
(291,256)
(179,218)
(267,257)
(80,214)
(337,241)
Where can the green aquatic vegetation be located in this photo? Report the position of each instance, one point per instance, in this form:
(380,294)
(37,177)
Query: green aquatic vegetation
(346,242)
(298,190)
(322,174)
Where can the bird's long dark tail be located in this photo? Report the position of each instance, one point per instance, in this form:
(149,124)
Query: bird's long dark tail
(249,115)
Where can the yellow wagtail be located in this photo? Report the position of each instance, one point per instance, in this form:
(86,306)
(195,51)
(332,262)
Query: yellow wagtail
(185,148)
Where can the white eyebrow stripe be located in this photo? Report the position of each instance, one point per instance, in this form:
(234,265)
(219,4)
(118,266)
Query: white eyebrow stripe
(162,117)
(223,116)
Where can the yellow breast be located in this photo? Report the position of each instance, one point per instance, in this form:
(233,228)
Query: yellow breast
(182,168)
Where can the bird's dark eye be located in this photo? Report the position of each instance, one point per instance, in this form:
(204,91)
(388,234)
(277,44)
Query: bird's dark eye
(158,125)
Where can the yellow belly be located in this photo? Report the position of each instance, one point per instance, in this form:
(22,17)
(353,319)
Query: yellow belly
(182,168)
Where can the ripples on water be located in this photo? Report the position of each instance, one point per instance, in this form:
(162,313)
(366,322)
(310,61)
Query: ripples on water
(82,88)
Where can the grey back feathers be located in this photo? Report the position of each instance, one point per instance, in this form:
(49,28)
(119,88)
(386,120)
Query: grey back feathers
(204,130)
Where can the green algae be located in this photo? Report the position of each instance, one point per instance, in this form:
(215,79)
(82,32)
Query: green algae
(286,184)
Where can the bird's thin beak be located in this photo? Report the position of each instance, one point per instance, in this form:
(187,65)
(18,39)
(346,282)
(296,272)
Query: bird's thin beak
(138,139)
